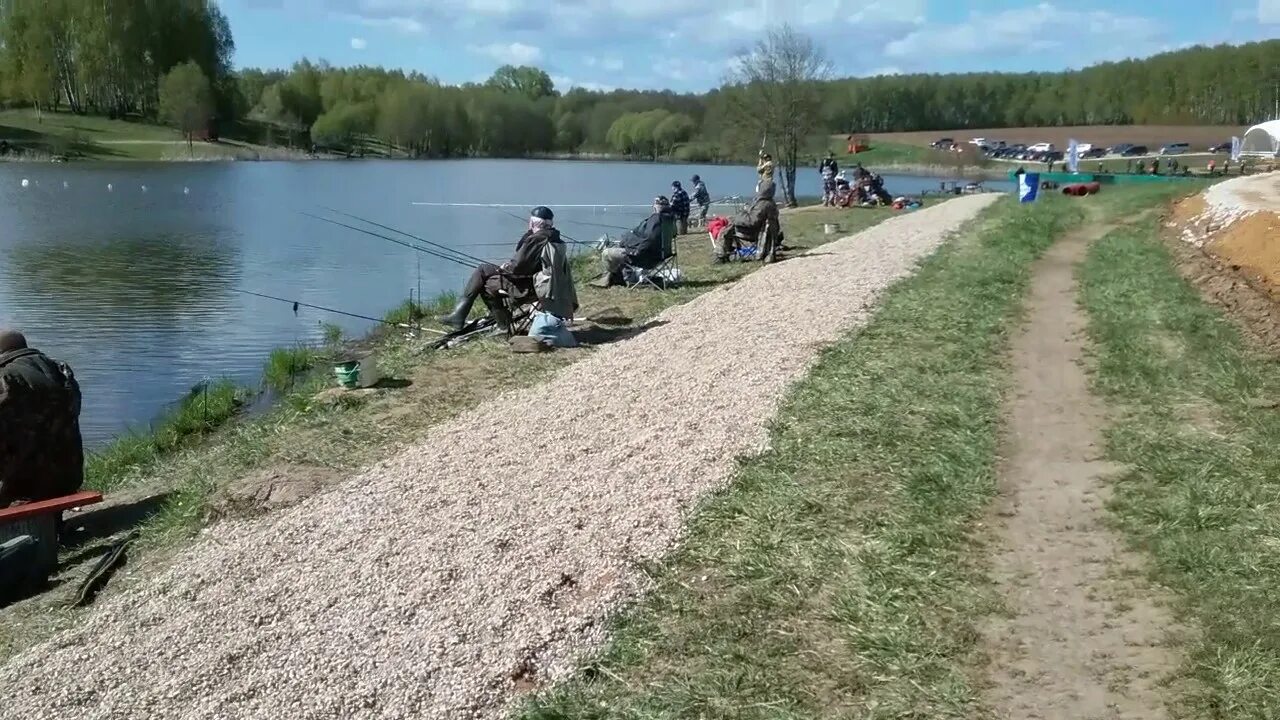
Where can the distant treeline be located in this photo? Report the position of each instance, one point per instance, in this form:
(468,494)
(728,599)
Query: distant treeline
(1223,85)
(108,56)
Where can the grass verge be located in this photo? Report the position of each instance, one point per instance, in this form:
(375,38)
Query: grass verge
(1196,421)
(838,576)
(201,412)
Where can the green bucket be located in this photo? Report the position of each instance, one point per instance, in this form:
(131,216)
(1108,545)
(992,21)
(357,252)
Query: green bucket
(348,373)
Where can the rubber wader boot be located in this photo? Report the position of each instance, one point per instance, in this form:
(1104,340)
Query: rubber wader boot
(458,317)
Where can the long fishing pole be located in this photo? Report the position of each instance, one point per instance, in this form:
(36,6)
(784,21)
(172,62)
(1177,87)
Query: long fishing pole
(297,304)
(517,217)
(388,228)
(428,251)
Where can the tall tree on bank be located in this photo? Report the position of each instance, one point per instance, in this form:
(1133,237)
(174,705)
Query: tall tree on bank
(186,100)
(778,96)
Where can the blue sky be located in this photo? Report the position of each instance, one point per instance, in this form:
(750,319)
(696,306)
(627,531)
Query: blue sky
(689,44)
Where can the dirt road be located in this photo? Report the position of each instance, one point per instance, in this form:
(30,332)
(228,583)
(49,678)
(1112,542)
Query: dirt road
(1085,639)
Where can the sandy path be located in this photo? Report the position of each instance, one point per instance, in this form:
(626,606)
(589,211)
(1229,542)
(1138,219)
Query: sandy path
(1082,644)
(439,583)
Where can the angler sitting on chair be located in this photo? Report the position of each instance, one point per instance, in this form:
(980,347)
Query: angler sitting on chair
(756,224)
(515,278)
(645,247)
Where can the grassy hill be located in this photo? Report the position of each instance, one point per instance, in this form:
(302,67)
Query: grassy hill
(85,137)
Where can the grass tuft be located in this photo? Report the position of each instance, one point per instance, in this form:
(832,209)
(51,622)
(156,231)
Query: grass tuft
(411,311)
(206,408)
(837,574)
(285,365)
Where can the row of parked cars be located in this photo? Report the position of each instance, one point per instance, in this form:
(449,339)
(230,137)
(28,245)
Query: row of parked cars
(1047,152)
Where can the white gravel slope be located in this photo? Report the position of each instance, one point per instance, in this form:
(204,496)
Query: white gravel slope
(419,588)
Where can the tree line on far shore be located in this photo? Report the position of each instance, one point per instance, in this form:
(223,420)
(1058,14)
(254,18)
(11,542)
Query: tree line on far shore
(170,60)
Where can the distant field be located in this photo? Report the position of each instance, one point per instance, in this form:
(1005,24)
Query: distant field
(1200,136)
(96,138)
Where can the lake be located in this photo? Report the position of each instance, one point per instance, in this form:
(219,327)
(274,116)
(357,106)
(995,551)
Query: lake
(136,286)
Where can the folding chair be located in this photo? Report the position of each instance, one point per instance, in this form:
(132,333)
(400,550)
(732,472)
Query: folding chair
(666,272)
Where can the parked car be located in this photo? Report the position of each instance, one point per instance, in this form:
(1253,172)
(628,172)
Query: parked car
(1083,148)
(1135,150)
(1094,153)
(1051,156)
(1175,148)
(942,143)
(1119,149)
(1221,147)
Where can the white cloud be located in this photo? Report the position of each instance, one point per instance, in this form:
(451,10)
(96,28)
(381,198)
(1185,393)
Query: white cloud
(877,72)
(1092,34)
(358,43)
(565,83)
(514,53)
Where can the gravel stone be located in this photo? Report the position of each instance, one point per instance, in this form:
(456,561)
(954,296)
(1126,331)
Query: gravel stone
(484,560)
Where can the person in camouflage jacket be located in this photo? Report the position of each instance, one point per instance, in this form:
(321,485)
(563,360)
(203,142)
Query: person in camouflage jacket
(41,452)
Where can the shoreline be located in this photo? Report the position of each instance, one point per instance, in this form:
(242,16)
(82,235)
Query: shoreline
(282,154)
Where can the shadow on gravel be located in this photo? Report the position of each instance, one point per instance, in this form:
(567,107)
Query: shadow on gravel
(597,334)
(106,522)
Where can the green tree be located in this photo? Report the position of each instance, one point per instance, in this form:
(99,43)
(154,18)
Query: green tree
(186,100)
(528,81)
(780,96)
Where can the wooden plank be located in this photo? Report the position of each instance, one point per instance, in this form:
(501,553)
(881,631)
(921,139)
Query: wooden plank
(48,507)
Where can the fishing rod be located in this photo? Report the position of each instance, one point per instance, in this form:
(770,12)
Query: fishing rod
(445,248)
(297,304)
(427,251)
(562,235)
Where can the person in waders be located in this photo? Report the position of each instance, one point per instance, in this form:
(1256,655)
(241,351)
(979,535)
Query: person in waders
(41,452)
(514,278)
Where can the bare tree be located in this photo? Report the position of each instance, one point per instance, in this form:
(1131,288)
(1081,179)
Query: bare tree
(777,96)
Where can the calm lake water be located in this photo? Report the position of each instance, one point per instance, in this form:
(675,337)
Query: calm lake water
(136,288)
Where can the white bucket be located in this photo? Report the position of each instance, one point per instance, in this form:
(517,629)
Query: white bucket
(830,228)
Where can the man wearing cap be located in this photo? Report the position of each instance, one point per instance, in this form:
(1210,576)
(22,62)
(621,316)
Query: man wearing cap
(644,247)
(701,198)
(514,278)
(680,208)
(41,455)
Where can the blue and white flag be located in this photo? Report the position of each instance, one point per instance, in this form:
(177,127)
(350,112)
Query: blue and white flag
(1073,156)
(1028,187)
(1235,148)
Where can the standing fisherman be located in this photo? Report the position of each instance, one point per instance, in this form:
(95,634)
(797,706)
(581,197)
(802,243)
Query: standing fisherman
(41,453)
(680,208)
(515,278)
(702,198)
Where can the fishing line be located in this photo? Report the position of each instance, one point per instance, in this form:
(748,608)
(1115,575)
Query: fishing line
(428,251)
(297,304)
(445,248)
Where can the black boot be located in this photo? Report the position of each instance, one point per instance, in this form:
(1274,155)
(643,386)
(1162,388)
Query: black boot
(458,318)
(498,311)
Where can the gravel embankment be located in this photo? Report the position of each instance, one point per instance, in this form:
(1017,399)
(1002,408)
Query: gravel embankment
(436,584)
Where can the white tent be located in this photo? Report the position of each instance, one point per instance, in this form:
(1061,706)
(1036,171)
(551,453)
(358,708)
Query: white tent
(1262,140)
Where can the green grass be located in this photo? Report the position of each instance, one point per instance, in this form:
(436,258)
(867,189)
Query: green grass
(412,311)
(885,154)
(89,137)
(205,409)
(1202,494)
(284,365)
(837,576)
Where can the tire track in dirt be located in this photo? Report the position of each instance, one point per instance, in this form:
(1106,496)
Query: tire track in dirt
(1086,638)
